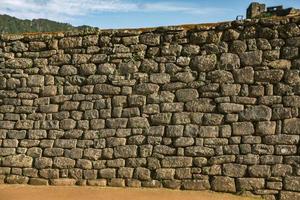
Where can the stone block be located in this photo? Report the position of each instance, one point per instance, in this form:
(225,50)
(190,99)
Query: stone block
(19,160)
(223,184)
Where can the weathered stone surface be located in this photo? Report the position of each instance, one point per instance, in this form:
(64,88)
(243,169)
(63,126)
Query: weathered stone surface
(150,39)
(19,160)
(250,183)
(63,163)
(161,119)
(291,126)
(223,184)
(260,171)
(43,162)
(244,75)
(242,128)
(272,76)
(63,182)
(129,67)
(125,151)
(194,107)
(138,122)
(292,183)
(176,162)
(280,64)
(146,88)
(70,42)
(285,195)
(160,78)
(256,113)
(142,174)
(106,89)
(67,70)
(200,105)
(265,128)
(185,95)
(199,151)
(230,108)
(234,170)
(251,58)
(166,173)
(183,142)
(229,61)
(19,63)
(87,69)
(17,179)
(220,76)
(196,185)
(204,63)
(35,80)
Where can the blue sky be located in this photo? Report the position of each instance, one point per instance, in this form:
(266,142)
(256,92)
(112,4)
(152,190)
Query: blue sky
(132,13)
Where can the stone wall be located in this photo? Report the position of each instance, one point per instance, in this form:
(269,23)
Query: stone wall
(203,107)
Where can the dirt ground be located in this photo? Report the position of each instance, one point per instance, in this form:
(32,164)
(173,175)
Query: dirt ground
(24,192)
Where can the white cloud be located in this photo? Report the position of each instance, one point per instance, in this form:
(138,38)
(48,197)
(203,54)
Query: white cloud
(66,10)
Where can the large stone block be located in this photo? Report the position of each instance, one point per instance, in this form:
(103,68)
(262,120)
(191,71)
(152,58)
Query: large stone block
(229,61)
(184,95)
(223,184)
(220,76)
(165,173)
(141,173)
(242,128)
(19,63)
(160,78)
(42,163)
(234,170)
(272,76)
(291,126)
(16,179)
(285,195)
(199,151)
(265,128)
(250,183)
(146,88)
(256,113)
(63,163)
(244,75)
(196,185)
(35,81)
(200,105)
(19,160)
(291,101)
(176,161)
(251,58)
(63,182)
(161,119)
(127,151)
(106,89)
(67,70)
(230,108)
(70,42)
(292,183)
(260,171)
(150,39)
(204,63)
(138,122)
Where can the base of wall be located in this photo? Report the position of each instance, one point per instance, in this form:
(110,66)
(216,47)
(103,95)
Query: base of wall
(195,185)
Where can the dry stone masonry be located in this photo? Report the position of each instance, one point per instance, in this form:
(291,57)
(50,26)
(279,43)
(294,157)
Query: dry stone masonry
(189,107)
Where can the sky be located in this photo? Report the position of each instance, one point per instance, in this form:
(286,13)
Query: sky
(132,13)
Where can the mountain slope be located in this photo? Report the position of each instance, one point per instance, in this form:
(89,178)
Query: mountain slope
(9,24)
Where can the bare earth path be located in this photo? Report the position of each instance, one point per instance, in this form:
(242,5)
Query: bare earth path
(23,192)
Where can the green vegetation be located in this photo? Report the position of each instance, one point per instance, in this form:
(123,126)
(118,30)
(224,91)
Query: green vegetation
(10,24)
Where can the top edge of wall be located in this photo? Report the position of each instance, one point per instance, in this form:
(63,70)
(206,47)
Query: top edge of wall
(219,26)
